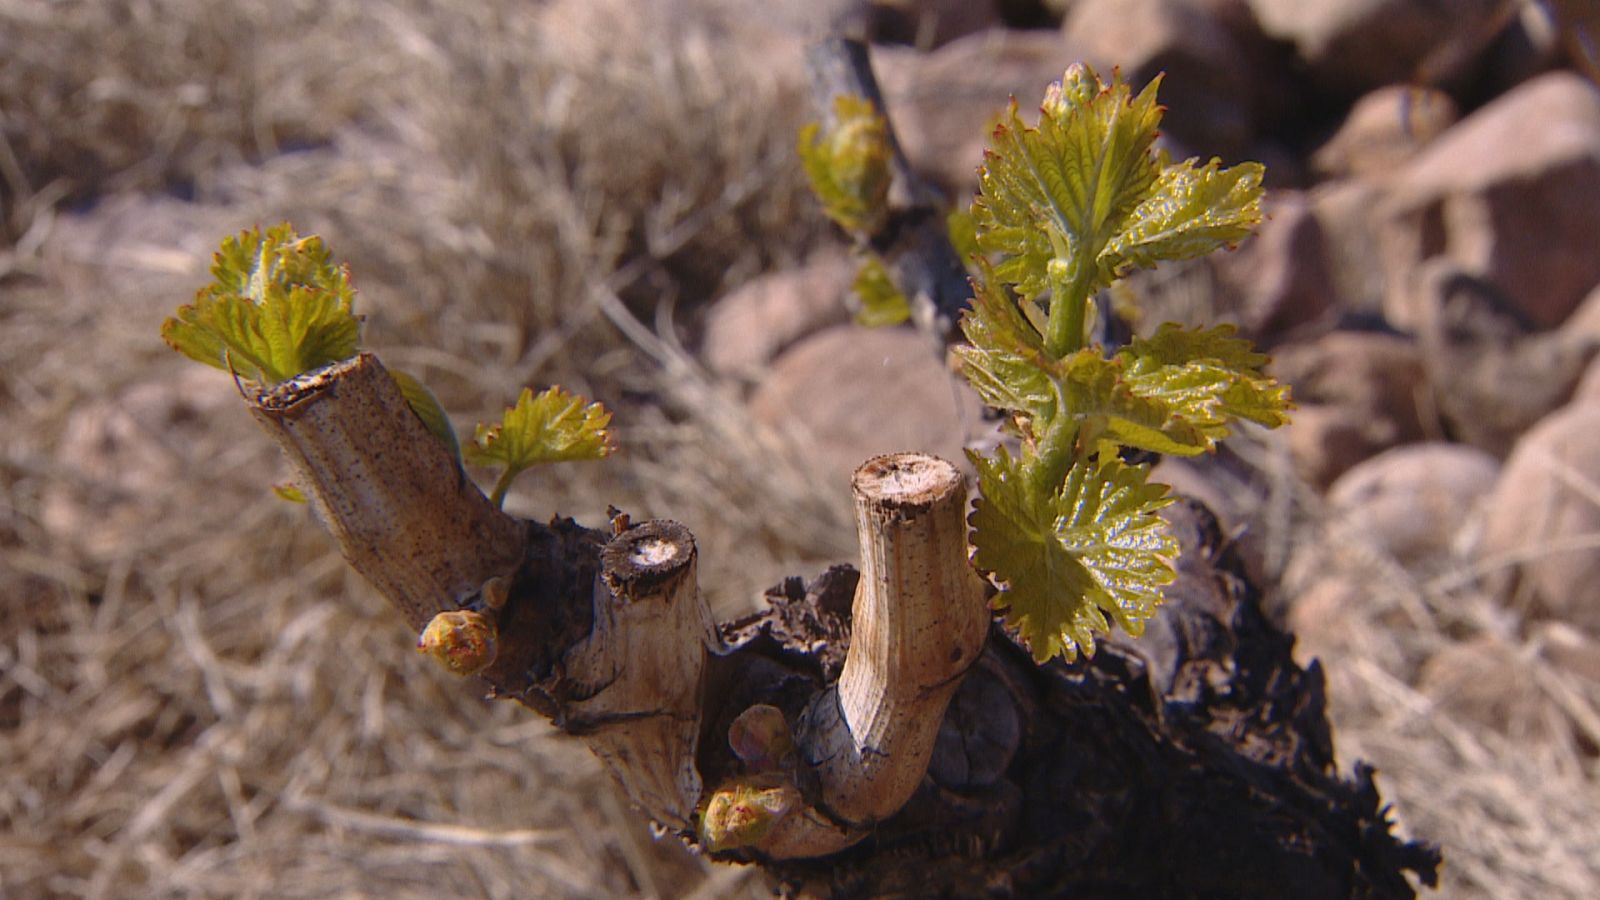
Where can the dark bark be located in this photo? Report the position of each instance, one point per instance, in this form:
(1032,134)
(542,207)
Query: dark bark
(1194,762)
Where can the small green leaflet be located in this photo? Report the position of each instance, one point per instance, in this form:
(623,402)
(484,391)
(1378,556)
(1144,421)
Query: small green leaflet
(551,426)
(426,406)
(1192,212)
(1004,359)
(848,166)
(278,307)
(1070,563)
(882,304)
(1207,377)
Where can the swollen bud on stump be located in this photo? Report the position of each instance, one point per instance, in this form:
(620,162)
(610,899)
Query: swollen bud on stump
(462,640)
(744,810)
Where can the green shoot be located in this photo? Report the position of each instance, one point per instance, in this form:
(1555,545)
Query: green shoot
(552,426)
(1069,531)
(278,307)
(849,165)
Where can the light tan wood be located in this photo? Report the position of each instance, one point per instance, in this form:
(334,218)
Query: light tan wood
(641,669)
(404,514)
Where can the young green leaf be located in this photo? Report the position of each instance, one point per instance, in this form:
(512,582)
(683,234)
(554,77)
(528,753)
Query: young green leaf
(882,304)
(1004,359)
(427,407)
(848,166)
(1062,191)
(1070,559)
(1192,212)
(278,307)
(1064,209)
(1207,377)
(552,426)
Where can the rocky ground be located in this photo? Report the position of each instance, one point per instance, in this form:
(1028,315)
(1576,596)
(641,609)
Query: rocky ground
(196,699)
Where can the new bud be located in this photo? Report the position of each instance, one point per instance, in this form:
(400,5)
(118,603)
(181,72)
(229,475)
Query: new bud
(462,640)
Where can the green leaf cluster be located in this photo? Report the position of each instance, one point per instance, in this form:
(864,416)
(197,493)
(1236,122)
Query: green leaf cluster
(1069,531)
(551,426)
(848,165)
(278,306)
(1083,198)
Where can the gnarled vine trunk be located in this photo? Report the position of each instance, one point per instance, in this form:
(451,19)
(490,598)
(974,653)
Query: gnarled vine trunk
(930,755)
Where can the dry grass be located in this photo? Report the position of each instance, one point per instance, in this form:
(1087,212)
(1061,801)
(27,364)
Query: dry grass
(197,698)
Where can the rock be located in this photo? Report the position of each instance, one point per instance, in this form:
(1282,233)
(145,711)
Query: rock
(1578,21)
(1544,514)
(1383,130)
(1529,46)
(1588,390)
(1410,501)
(1584,323)
(927,24)
(1584,328)
(849,393)
(1279,279)
(1216,76)
(943,104)
(1512,194)
(1357,394)
(1346,211)
(751,325)
(1492,379)
(1353,46)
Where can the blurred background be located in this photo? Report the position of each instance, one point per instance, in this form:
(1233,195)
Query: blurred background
(196,697)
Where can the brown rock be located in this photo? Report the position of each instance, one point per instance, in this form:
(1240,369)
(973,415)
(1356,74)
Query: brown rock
(1588,390)
(750,326)
(1512,194)
(1584,327)
(943,104)
(1280,279)
(1492,379)
(1384,129)
(1353,46)
(931,23)
(1346,211)
(1410,501)
(1213,83)
(1584,323)
(1544,515)
(849,393)
(1357,393)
